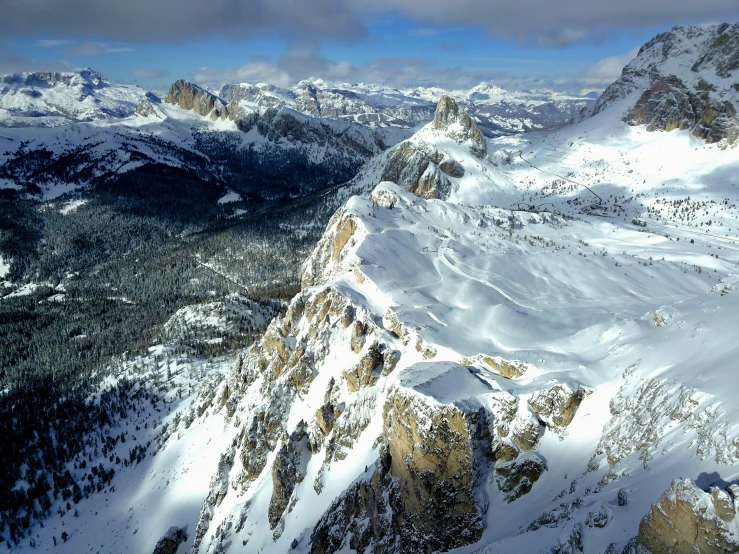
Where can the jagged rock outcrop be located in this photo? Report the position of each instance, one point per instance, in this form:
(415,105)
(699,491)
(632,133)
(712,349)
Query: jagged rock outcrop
(189,96)
(147,106)
(363,517)
(506,368)
(458,124)
(424,170)
(287,471)
(681,80)
(557,406)
(415,170)
(686,520)
(517,478)
(419,497)
(171,540)
(431,454)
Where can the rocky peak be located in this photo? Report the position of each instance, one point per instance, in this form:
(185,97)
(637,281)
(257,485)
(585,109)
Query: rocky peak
(148,105)
(680,80)
(84,77)
(458,124)
(189,96)
(687,519)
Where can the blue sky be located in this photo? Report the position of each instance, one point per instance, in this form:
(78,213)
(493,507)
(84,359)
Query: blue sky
(392,42)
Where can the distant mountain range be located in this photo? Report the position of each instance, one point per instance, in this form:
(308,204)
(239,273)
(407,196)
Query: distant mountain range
(52,99)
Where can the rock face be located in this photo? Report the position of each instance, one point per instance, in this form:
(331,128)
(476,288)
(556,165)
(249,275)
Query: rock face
(458,123)
(686,520)
(681,80)
(287,472)
(412,168)
(191,97)
(147,105)
(426,171)
(431,454)
(557,406)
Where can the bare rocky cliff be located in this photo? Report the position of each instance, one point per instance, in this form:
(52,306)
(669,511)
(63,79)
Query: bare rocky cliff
(683,79)
(423,169)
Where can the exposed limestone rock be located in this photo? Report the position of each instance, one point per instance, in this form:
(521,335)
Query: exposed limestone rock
(405,166)
(557,406)
(458,123)
(432,184)
(664,106)
(504,368)
(217,492)
(313,271)
(431,455)
(525,432)
(349,426)
(362,518)
(389,361)
(260,438)
(599,518)
(667,102)
(685,521)
(171,540)
(392,323)
(146,106)
(452,167)
(384,198)
(191,97)
(325,417)
(358,336)
(723,504)
(287,472)
(504,452)
(244,118)
(344,231)
(516,478)
(363,374)
(723,53)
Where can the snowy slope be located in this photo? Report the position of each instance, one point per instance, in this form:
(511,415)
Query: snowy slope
(496,110)
(512,314)
(51,99)
(522,366)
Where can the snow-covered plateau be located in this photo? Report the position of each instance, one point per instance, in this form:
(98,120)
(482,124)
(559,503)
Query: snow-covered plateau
(524,344)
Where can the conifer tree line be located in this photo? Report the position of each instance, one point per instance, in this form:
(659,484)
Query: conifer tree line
(109,275)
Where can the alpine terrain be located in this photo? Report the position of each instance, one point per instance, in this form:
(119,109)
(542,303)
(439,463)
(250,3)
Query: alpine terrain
(351,318)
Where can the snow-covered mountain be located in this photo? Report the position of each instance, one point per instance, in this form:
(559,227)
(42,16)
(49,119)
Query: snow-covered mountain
(52,99)
(685,78)
(524,344)
(256,155)
(496,111)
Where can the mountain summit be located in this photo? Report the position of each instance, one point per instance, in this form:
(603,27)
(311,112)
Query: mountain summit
(684,78)
(459,125)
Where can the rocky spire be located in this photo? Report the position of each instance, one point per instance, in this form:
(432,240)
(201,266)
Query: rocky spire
(191,97)
(459,125)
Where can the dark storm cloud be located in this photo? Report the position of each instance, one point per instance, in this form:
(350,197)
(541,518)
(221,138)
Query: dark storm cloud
(540,21)
(144,20)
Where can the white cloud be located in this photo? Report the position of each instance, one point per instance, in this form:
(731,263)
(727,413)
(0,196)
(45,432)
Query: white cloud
(251,72)
(608,69)
(53,43)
